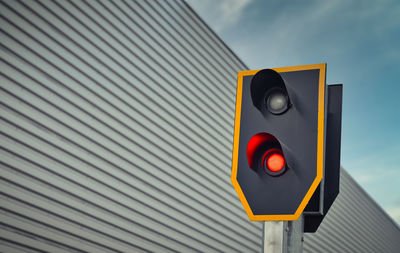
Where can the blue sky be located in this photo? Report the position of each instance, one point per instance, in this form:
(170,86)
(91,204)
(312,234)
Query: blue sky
(360,41)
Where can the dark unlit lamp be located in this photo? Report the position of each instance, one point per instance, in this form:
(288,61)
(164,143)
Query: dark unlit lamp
(269,93)
(277,101)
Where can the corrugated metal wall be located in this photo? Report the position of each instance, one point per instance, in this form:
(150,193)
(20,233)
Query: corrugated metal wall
(355,223)
(116,122)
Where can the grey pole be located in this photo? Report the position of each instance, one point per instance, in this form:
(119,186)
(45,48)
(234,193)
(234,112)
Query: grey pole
(283,236)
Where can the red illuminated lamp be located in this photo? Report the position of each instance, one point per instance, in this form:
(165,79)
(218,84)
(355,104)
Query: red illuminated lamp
(273,162)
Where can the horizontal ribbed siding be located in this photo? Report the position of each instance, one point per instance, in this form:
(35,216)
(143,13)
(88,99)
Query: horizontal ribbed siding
(116,123)
(112,134)
(355,223)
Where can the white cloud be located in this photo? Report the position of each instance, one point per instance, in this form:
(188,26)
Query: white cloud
(220,14)
(320,31)
(394,213)
(384,159)
(230,12)
(379,174)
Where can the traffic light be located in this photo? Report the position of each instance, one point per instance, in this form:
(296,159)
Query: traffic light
(279,140)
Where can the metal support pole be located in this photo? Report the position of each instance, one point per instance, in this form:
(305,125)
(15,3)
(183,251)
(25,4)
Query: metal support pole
(273,236)
(283,236)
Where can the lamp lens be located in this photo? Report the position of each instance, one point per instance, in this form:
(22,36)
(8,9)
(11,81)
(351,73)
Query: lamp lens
(277,102)
(275,162)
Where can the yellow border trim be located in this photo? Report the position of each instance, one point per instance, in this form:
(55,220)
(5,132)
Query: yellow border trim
(320,142)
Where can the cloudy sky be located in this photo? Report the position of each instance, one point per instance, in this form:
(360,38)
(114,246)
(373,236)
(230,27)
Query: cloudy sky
(360,41)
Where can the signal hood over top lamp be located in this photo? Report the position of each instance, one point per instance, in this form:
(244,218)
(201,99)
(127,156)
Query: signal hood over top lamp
(268,91)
